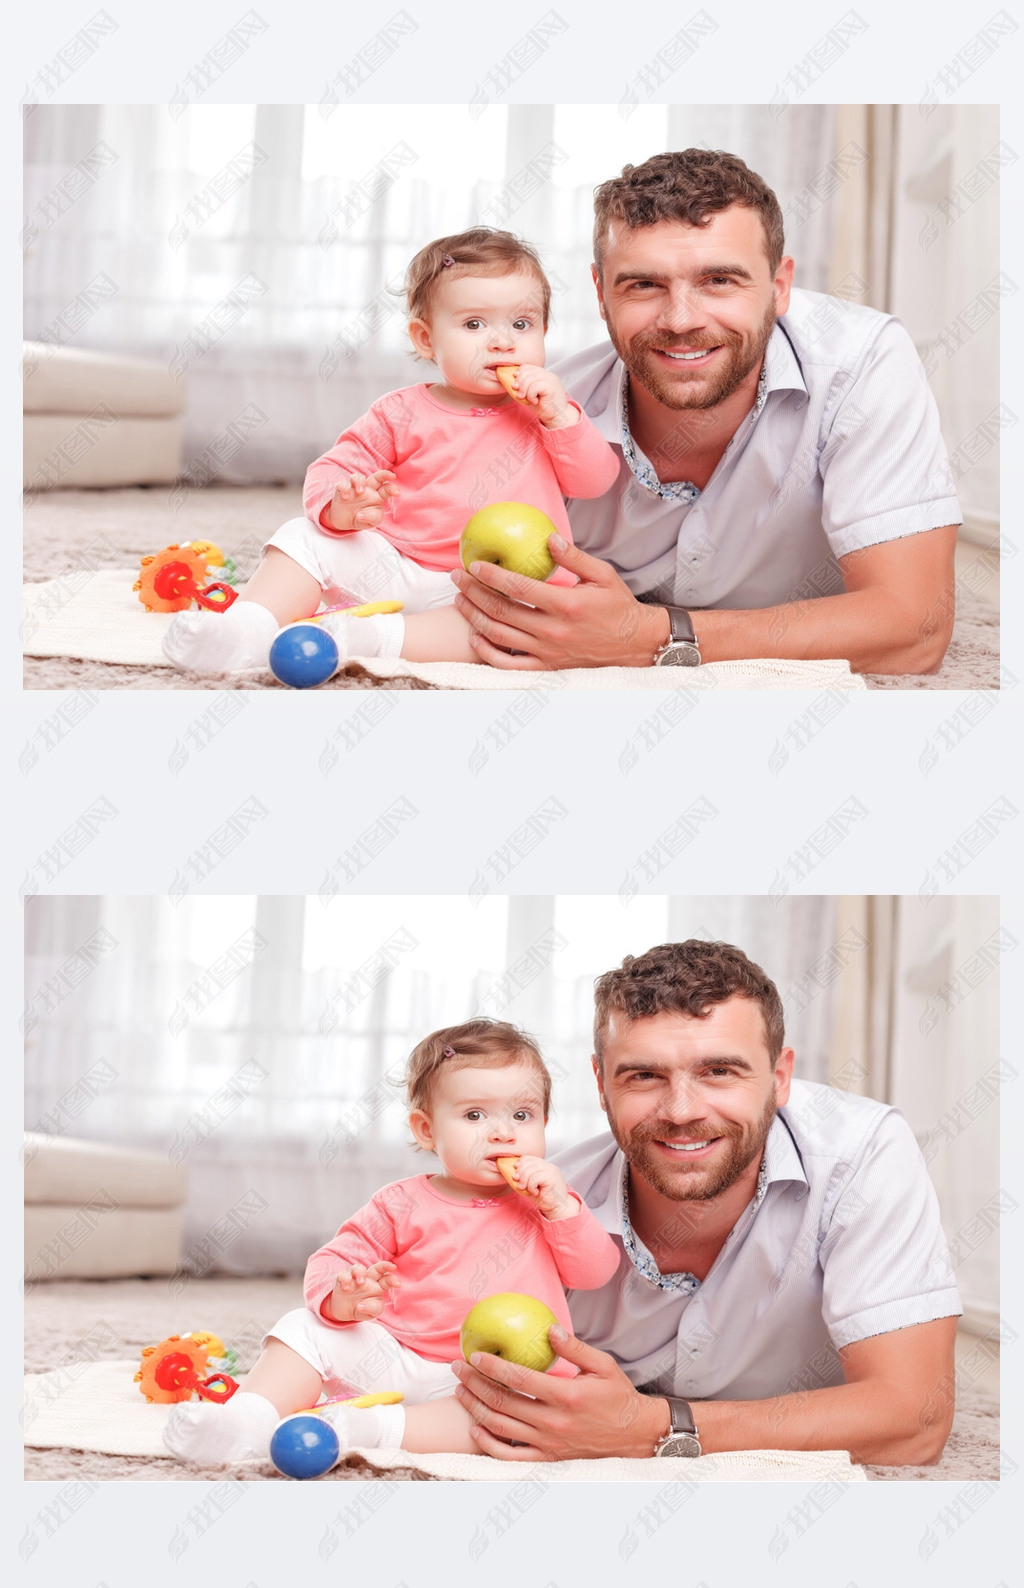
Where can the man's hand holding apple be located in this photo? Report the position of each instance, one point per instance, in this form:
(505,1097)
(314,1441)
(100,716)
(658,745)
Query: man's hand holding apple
(360,500)
(360,1293)
(520,1415)
(518,622)
(545,1185)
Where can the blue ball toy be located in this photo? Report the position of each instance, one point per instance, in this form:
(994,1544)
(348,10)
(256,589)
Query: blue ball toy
(304,1446)
(303,655)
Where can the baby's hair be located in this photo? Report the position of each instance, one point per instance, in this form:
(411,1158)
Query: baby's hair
(487,1044)
(482,251)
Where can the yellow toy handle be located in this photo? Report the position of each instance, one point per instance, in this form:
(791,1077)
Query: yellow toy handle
(369,609)
(378,1398)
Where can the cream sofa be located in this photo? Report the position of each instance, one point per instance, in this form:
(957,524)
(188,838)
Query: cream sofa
(98,419)
(93,1211)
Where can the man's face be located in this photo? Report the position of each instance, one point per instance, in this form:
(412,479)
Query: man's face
(690,309)
(690,1100)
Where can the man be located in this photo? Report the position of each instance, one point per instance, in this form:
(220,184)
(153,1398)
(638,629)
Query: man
(784,1281)
(783,487)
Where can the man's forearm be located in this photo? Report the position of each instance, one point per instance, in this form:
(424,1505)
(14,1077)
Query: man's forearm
(871,631)
(895,615)
(867,1419)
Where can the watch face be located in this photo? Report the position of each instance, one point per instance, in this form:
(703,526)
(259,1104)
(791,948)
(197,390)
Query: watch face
(681,1445)
(682,654)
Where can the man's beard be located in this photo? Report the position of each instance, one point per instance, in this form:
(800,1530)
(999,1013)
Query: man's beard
(701,1182)
(744,355)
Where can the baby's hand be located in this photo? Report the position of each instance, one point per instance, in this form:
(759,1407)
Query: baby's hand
(360,499)
(546,1185)
(360,1293)
(545,392)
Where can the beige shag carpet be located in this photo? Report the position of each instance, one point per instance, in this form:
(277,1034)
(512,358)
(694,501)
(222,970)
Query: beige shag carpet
(65,530)
(74,1320)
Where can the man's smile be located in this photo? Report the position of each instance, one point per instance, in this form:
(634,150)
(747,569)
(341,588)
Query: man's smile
(698,356)
(690,1149)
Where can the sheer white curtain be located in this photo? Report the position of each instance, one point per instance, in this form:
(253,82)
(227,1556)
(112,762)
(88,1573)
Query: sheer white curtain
(964,346)
(917,1023)
(918,223)
(257,249)
(261,1040)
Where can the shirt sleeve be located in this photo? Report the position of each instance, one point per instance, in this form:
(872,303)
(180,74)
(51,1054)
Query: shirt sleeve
(884,1256)
(884,468)
(367,1237)
(585,1254)
(584,463)
(367,445)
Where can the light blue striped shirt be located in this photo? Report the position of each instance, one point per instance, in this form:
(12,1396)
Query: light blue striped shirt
(841,451)
(841,1242)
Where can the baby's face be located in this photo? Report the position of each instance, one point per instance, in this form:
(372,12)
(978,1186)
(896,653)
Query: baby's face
(479,1115)
(480,322)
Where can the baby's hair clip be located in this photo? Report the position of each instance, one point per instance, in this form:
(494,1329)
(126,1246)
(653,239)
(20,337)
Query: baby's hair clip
(447,1053)
(446,261)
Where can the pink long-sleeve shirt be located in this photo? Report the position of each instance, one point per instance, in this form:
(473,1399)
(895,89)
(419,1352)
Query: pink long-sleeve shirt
(449,463)
(450,1255)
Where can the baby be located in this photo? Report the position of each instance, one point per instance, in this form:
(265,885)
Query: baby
(386,1298)
(386,506)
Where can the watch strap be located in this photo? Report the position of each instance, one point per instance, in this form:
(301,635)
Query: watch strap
(680,626)
(682,1438)
(682,645)
(681,1415)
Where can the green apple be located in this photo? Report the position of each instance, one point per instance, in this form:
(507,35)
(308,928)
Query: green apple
(512,535)
(511,1326)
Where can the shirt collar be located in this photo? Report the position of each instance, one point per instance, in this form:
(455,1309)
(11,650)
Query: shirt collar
(637,1252)
(781,369)
(780,1162)
(640,465)
(781,1154)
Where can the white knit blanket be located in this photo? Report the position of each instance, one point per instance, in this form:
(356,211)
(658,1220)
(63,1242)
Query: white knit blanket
(97,1406)
(96,616)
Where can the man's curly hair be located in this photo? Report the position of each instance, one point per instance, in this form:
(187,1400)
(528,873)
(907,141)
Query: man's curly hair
(688,185)
(688,979)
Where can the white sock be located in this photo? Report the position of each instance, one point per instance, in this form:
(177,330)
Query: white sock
(381,635)
(220,1436)
(367,1427)
(213,644)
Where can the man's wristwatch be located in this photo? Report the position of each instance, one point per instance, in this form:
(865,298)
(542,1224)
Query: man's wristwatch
(681,648)
(682,1438)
